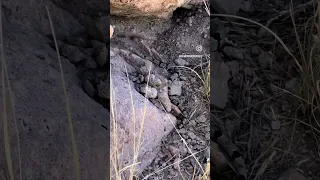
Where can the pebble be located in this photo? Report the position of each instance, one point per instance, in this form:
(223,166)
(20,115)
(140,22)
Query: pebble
(174,76)
(140,78)
(153,80)
(191,135)
(149,92)
(202,118)
(234,53)
(181,62)
(175,88)
(173,150)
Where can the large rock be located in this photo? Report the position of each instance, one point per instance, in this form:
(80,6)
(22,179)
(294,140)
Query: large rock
(39,104)
(33,14)
(87,7)
(219,76)
(157,123)
(226,6)
(156,8)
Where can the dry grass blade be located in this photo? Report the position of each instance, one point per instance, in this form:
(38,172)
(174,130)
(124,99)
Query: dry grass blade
(155,172)
(136,142)
(73,141)
(206,7)
(183,140)
(267,29)
(5,117)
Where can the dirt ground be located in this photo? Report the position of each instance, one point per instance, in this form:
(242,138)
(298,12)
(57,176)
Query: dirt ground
(182,43)
(271,115)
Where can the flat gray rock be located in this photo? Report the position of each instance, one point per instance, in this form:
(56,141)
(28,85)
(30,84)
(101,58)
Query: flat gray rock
(219,76)
(157,123)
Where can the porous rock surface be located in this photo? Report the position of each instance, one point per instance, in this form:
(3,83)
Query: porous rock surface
(155,8)
(39,103)
(157,123)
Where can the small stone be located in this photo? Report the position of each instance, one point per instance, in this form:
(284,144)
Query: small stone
(173,150)
(149,91)
(176,164)
(181,62)
(275,125)
(140,78)
(175,88)
(265,59)
(292,174)
(90,63)
(73,54)
(235,53)
(192,135)
(88,88)
(153,81)
(97,45)
(174,76)
(144,70)
(182,131)
(202,118)
(190,21)
(103,57)
(163,65)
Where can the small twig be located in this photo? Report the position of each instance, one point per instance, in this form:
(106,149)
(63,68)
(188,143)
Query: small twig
(265,165)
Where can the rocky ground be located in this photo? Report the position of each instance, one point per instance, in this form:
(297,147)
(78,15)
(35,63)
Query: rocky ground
(260,122)
(172,86)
